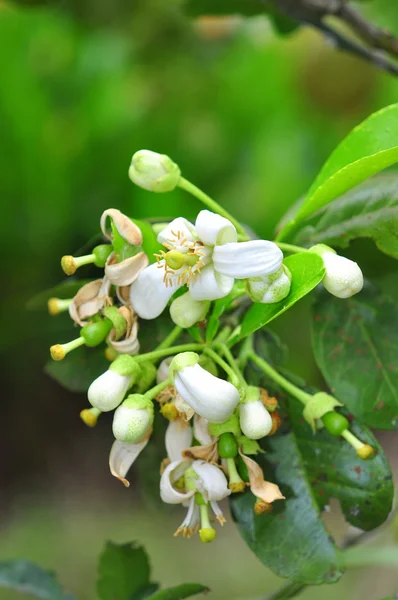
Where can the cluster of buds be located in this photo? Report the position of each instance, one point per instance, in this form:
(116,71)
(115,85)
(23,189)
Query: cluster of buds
(214,423)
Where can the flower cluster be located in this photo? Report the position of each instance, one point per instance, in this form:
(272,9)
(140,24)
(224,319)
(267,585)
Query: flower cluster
(216,419)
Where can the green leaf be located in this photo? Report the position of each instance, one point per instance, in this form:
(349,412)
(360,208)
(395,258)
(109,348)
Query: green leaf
(292,541)
(311,469)
(66,289)
(371,210)
(150,244)
(180,591)
(78,369)
(370,147)
(307,271)
(123,569)
(247,8)
(219,307)
(26,577)
(355,344)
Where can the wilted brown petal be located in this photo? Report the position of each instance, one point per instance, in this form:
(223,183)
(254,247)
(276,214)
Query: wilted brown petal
(89,300)
(208,453)
(130,343)
(125,272)
(267,491)
(125,226)
(183,408)
(123,293)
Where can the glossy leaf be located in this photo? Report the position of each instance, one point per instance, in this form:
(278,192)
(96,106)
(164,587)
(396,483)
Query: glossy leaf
(123,570)
(78,369)
(66,289)
(370,147)
(355,344)
(27,578)
(186,590)
(307,271)
(370,210)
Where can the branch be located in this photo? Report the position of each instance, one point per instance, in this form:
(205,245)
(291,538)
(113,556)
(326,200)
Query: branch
(377,41)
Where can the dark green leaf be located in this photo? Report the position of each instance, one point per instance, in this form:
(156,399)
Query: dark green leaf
(292,541)
(66,289)
(371,210)
(26,577)
(79,368)
(145,592)
(123,569)
(186,590)
(370,147)
(307,271)
(150,244)
(355,343)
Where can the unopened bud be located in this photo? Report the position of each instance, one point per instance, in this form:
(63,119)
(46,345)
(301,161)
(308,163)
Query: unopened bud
(186,312)
(272,288)
(154,172)
(343,277)
(133,419)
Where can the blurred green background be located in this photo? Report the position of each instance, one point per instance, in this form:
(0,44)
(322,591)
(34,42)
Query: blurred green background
(250,117)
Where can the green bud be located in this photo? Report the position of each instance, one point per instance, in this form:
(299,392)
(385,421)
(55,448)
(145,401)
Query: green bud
(186,312)
(101,254)
(227,446)
(95,333)
(154,172)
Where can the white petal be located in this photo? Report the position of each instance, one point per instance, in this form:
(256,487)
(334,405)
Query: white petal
(255,420)
(167,491)
(163,370)
(209,396)
(149,294)
(108,390)
(343,277)
(181,226)
(213,229)
(247,259)
(122,457)
(201,430)
(178,438)
(212,482)
(210,285)
(185,311)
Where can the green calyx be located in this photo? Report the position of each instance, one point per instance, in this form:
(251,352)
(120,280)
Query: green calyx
(321,249)
(95,333)
(317,406)
(231,425)
(249,446)
(252,394)
(179,362)
(125,364)
(146,377)
(118,321)
(138,402)
(101,254)
(227,445)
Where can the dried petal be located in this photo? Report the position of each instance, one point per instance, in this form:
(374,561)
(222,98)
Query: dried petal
(209,453)
(125,272)
(125,226)
(267,491)
(130,343)
(122,457)
(89,300)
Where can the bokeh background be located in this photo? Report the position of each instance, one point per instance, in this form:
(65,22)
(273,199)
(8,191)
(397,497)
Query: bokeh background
(250,117)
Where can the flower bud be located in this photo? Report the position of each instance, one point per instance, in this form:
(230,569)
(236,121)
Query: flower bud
(210,397)
(154,172)
(255,420)
(343,277)
(133,419)
(108,390)
(268,289)
(186,312)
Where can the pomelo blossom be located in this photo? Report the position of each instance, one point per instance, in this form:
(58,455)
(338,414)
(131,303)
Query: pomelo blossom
(255,420)
(343,277)
(206,257)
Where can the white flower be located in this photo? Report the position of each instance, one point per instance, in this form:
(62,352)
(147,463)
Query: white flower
(108,390)
(133,420)
(206,257)
(343,277)
(199,476)
(210,397)
(268,289)
(255,420)
(154,172)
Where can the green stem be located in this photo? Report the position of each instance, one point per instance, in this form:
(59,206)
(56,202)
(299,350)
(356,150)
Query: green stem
(210,203)
(289,590)
(228,355)
(152,393)
(234,378)
(290,247)
(156,354)
(284,383)
(170,339)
